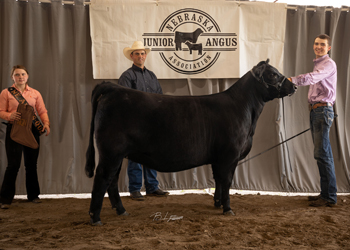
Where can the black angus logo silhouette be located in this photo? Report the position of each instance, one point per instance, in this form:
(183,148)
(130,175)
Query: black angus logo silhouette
(190,41)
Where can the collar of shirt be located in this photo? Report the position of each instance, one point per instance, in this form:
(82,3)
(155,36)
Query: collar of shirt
(26,88)
(320,59)
(134,67)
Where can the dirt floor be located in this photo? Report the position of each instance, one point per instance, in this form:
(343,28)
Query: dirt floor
(187,221)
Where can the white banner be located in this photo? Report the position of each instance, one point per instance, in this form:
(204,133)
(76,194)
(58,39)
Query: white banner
(189,39)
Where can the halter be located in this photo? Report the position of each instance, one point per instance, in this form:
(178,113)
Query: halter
(277,85)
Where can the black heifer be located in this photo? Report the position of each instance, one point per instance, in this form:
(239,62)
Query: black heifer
(172,133)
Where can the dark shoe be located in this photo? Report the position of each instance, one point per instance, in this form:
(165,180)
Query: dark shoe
(322,203)
(36,200)
(5,206)
(159,192)
(137,196)
(314,198)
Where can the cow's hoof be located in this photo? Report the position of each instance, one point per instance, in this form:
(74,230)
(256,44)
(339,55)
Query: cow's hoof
(124,214)
(217,204)
(97,223)
(229,212)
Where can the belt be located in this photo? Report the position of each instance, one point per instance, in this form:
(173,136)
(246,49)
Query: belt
(320,104)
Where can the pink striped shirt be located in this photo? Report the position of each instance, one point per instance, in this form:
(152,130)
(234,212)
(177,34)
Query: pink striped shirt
(8,103)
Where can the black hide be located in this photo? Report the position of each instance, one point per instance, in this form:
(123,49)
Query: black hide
(173,133)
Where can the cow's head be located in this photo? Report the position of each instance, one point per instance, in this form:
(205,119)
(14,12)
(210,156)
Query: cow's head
(277,84)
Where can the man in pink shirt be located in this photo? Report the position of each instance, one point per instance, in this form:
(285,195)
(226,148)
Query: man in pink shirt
(321,97)
(8,111)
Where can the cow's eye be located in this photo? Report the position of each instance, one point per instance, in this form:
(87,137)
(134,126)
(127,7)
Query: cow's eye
(273,76)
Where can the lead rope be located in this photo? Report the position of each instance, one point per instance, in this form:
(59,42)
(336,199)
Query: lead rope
(274,146)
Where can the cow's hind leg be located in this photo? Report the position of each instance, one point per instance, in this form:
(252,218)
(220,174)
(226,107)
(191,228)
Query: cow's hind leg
(114,197)
(105,172)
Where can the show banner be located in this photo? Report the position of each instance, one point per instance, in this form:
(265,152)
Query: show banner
(189,39)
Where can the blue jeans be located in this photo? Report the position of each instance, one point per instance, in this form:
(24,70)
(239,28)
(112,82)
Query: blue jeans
(321,120)
(135,178)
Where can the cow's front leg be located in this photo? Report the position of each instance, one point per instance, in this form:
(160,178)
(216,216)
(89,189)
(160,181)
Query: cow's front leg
(225,174)
(218,185)
(226,199)
(217,194)
(114,197)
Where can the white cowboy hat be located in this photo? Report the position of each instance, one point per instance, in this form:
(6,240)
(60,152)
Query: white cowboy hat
(135,46)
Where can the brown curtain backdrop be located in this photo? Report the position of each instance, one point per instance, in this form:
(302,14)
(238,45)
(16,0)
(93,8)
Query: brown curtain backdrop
(53,41)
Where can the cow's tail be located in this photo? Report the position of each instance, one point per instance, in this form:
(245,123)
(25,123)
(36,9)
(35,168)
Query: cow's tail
(90,153)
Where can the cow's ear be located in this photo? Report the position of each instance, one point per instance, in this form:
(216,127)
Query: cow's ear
(259,69)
